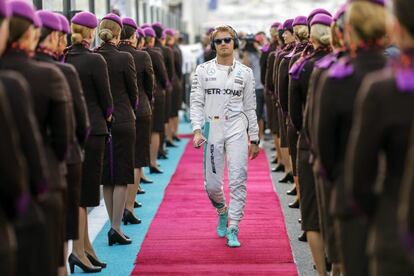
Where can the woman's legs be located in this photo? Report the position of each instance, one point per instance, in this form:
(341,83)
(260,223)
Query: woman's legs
(78,248)
(132,190)
(317,250)
(155,144)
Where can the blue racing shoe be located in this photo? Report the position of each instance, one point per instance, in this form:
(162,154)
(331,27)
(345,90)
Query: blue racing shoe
(222,225)
(232,240)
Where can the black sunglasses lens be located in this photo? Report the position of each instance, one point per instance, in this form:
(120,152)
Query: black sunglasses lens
(226,40)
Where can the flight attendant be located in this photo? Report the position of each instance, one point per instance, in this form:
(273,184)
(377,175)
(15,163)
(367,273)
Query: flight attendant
(119,154)
(382,123)
(365,30)
(93,73)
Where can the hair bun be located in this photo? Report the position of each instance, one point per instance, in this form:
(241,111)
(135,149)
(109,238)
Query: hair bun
(106,35)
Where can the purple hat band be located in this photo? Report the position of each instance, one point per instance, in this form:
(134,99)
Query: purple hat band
(149,32)
(5,10)
(169,32)
(64,23)
(113,17)
(287,25)
(49,20)
(86,19)
(130,22)
(140,32)
(322,19)
(300,20)
(340,12)
(23,9)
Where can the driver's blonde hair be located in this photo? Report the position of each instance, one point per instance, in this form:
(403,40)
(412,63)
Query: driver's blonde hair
(223,28)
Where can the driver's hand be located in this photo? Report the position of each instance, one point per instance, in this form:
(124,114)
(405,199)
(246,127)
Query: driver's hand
(253,151)
(198,139)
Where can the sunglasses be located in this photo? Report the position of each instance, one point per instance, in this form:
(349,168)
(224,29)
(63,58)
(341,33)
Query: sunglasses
(226,40)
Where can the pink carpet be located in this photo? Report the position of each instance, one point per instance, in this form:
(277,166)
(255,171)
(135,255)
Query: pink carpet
(182,237)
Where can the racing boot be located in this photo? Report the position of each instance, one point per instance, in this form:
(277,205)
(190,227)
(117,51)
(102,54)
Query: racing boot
(232,234)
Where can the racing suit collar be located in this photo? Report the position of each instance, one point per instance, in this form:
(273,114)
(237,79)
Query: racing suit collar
(225,67)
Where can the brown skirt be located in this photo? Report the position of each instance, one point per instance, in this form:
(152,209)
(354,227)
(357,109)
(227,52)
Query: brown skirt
(168,104)
(142,141)
(176,98)
(272,118)
(92,171)
(282,128)
(158,113)
(73,178)
(119,156)
(293,145)
(308,205)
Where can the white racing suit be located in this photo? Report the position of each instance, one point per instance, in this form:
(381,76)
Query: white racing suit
(223,99)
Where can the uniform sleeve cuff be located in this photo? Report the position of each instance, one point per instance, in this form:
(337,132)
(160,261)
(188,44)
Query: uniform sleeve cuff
(196,127)
(254,137)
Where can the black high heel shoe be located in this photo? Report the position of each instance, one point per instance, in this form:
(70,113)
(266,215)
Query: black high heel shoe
(303,237)
(175,138)
(73,260)
(170,144)
(140,192)
(275,161)
(155,170)
(287,179)
(94,261)
(115,237)
(146,180)
(130,218)
(278,168)
(162,156)
(137,204)
(292,192)
(294,205)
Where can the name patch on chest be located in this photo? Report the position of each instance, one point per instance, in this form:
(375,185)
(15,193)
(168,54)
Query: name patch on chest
(218,91)
(238,81)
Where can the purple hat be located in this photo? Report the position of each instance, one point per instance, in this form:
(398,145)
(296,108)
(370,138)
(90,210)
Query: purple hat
(86,19)
(145,25)
(379,2)
(64,23)
(340,12)
(318,11)
(300,20)
(23,9)
(130,22)
(113,17)
(149,32)
(169,32)
(287,25)
(140,33)
(49,20)
(275,24)
(4,9)
(210,30)
(158,24)
(37,22)
(322,19)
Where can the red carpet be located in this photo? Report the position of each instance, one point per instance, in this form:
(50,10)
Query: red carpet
(182,238)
